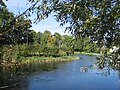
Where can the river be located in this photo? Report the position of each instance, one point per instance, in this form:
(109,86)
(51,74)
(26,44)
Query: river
(80,74)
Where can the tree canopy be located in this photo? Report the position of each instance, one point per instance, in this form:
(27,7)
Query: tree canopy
(97,19)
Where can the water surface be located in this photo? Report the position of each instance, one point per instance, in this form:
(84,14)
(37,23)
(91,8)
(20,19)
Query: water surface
(69,76)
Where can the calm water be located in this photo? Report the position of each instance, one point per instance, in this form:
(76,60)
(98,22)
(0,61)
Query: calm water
(69,76)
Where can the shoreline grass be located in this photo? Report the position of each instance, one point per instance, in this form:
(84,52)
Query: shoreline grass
(87,53)
(48,59)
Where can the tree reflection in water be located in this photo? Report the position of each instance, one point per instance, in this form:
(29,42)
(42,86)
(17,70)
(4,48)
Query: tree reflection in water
(12,75)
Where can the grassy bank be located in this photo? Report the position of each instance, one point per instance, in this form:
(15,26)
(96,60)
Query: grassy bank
(48,59)
(87,53)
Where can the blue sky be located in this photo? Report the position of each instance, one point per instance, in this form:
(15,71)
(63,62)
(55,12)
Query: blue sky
(47,24)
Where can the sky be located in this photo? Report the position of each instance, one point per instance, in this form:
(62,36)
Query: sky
(50,23)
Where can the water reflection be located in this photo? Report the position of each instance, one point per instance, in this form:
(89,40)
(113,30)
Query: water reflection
(13,75)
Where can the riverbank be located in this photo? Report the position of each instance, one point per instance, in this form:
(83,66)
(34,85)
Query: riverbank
(87,53)
(41,59)
(48,59)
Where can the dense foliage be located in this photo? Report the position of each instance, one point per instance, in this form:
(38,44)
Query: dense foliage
(95,20)
(18,41)
(46,44)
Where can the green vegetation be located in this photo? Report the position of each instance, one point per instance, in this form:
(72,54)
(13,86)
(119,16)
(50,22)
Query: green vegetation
(48,59)
(87,53)
(93,25)
(44,47)
(19,43)
(96,19)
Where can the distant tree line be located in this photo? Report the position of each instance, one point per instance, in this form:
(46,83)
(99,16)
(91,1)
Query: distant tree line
(17,40)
